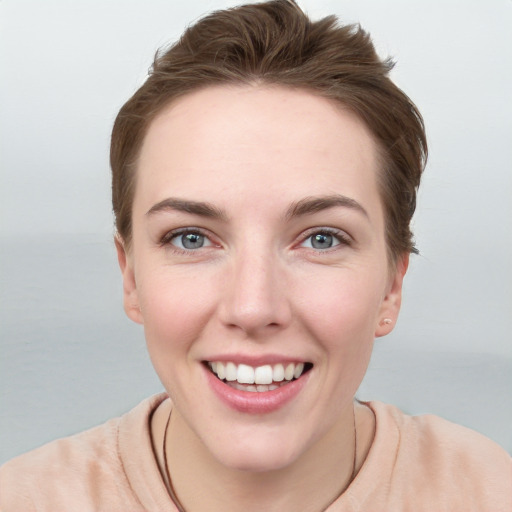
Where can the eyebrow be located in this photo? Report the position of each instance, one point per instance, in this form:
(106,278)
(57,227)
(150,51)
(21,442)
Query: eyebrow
(194,207)
(310,205)
(306,206)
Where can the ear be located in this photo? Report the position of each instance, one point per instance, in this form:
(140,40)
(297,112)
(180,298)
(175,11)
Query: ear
(130,296)
(390,306)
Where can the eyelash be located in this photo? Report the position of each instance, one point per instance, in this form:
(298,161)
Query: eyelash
(342,238)
(166,240)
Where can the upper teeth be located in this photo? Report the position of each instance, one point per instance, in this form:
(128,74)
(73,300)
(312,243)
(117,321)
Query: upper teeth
(265,374)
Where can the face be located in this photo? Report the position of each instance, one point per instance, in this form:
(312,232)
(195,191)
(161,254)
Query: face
(258,267)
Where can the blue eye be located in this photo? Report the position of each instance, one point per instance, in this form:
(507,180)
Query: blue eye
(190,240)
(322,240)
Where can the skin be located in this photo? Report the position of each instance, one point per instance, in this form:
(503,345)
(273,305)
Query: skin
(258,288)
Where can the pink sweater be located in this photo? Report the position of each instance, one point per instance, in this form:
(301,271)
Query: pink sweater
(415,464)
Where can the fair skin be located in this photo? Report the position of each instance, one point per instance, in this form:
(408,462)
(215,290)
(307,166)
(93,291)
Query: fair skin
(258,239)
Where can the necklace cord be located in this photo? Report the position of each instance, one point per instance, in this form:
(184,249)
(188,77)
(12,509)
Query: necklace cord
(179,506)
(170,488)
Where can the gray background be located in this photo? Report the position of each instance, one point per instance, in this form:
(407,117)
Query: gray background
(69,357)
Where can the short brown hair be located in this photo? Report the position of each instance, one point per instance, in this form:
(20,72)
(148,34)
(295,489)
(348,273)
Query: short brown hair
(276,43)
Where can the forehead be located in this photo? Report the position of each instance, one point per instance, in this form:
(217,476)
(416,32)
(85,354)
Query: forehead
(256,138)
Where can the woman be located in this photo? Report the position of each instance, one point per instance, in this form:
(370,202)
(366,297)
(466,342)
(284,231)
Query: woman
(264,179)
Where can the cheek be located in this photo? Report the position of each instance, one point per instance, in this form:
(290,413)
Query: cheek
(175,313)
(343,312)
(174,309)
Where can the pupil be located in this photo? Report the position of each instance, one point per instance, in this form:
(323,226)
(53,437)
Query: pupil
(192,240)
(321,241)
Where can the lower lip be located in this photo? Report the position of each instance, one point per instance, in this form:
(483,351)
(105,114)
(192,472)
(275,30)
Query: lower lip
(257,402)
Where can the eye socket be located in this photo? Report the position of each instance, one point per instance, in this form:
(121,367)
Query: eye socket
(189,240)
(322,240)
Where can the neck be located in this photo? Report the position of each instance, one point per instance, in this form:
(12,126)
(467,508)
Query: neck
(310,484)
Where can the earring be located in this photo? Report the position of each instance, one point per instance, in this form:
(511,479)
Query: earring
(387,321)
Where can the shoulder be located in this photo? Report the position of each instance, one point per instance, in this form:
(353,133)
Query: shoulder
(445,462)
(430,437)
(83,471)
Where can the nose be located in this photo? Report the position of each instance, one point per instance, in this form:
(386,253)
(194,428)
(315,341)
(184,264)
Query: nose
(255,298)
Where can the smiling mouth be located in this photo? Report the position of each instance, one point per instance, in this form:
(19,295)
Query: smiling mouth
(257,379)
